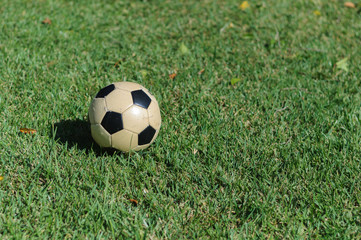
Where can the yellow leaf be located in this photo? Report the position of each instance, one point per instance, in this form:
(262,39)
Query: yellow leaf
(349,4)
(144,73)
(244,5)
(343,64)
(235,80)
(183,49)
(317,13)
(1,178)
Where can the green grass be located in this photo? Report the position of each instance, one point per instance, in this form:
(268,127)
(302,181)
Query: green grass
(277,155)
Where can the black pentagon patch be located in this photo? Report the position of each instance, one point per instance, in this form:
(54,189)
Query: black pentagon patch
(146,136)
(105,91)
(112,122)
(141,99)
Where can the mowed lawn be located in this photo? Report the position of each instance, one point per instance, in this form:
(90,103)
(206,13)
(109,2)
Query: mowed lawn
(275,155)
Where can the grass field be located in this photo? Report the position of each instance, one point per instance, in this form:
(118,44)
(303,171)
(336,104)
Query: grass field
(276,155)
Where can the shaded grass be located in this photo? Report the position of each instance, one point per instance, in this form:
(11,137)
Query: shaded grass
(275,156)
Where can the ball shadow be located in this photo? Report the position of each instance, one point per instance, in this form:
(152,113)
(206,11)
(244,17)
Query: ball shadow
(76,133)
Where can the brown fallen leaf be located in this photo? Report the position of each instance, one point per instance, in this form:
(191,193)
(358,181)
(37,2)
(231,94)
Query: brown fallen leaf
(46,21)
(117,63)
(349,4)
(1,178)
(201,71)
(247,124)
(51,63)
(172,76)
(27,130)
(133,201)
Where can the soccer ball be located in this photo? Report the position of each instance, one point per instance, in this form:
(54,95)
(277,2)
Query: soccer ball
(124,116)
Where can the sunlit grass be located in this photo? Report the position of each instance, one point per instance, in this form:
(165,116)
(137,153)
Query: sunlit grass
(276,154)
